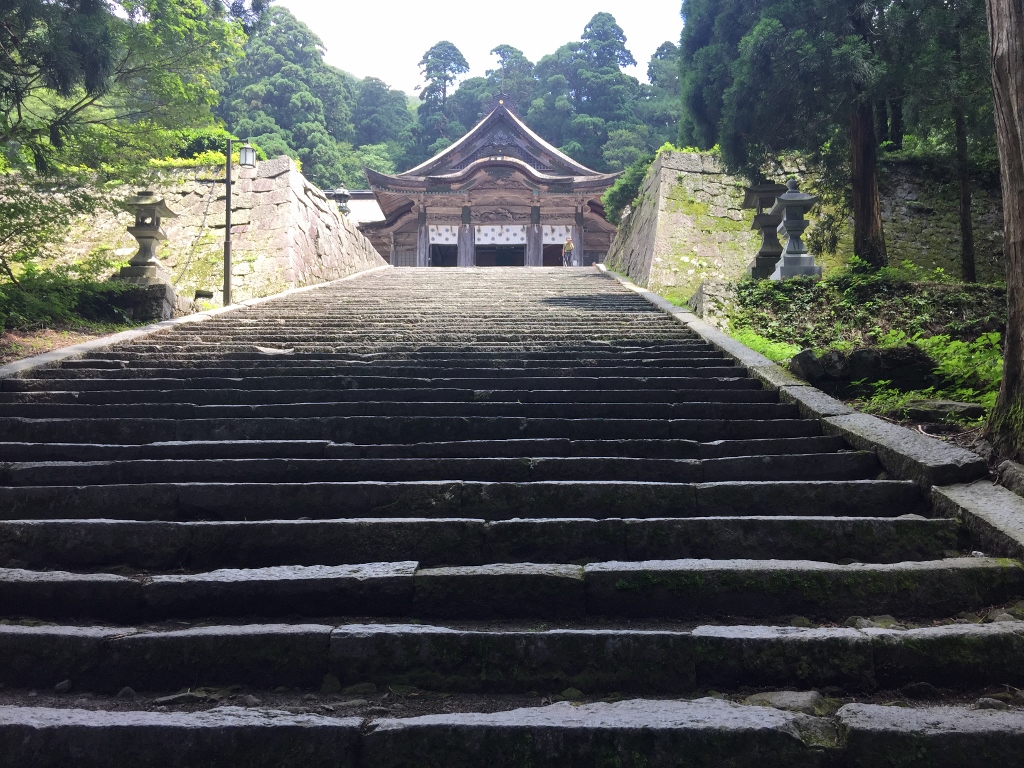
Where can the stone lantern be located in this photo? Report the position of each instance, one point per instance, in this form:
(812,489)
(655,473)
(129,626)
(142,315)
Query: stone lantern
(792,205)
(761,197)
(144,268)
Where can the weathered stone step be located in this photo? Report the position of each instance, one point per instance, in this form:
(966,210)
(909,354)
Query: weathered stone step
(678,359)
(129,353)
(324,449)
(369,430)
(735,380)
(515,659)
(697,368)
(393,409)
(195,546)
(849,465)
(488,501)
(682,589)
(630,733)
(269,396)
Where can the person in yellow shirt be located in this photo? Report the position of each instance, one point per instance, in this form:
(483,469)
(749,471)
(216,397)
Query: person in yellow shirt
(567,251)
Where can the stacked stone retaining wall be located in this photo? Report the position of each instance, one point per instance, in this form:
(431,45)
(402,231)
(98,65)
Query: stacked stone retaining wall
(285,232)
(688,226)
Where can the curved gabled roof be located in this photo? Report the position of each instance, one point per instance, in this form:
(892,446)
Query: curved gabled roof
(462,149)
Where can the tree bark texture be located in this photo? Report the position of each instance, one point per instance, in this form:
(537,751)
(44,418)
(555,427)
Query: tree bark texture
(963,177)
(1006,39)
(868,237)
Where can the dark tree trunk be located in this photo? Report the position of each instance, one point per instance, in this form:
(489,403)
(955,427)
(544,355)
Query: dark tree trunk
(963,177)
(1006,37)
(868,236)
(896,123)
(881,122)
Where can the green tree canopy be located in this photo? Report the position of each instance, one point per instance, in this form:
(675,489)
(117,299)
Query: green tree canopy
(84,81)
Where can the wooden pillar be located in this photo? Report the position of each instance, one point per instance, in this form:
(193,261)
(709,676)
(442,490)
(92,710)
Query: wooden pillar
(534,240)
(467,246)
(577,238)
(391,252)
(422,241)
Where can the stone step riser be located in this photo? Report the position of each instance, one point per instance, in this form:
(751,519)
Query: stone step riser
(666,411)
(441,659)
(679,359)
(708,368)
(487,501)
(737,380)
(165,546)
(631,734)
(403,430)
(677,589)
(323,449)
(838,466)
(257,397)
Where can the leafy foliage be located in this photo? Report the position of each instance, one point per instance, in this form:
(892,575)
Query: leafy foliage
(626,188)
(33,215)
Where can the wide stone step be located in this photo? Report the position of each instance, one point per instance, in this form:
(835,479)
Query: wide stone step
(322,449)
(261,397)
(702,368)
(849,465)
(196,546)
(128,354)
(258,360)
(486,409)
(436,499)
(370,430)
(515,659)
(736,379)
(664,589)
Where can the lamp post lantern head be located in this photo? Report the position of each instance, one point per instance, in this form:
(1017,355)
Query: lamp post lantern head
(341,196)
(247,156)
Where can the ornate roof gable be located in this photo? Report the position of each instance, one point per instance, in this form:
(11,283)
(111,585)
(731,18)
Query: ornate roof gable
(501,136)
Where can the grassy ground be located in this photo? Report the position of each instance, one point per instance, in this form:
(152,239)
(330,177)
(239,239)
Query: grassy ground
(17,345)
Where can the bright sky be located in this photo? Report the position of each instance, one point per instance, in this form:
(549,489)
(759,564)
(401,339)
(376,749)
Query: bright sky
(388,39)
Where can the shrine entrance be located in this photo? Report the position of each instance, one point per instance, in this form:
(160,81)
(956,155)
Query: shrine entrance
(499,196)
(500,255)
(444,255)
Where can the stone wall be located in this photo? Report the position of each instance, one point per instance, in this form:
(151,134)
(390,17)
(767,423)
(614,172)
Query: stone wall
(285,232)
(688,226)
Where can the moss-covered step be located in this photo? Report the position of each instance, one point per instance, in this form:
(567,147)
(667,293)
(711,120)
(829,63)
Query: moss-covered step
(378,429)
(930,737)
(380,589)
(504,590)
(227,737)
(631,734)
(767,588)
(848,465)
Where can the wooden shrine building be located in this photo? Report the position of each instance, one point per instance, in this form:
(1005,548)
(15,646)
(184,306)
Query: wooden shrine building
(499,196)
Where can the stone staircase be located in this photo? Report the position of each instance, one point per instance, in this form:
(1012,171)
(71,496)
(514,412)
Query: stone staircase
(466,517)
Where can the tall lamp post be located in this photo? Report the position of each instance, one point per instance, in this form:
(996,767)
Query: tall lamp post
(246,159)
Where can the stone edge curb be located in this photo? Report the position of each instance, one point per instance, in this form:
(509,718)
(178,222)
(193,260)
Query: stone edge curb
(992,513)
(47,359)
(905,454)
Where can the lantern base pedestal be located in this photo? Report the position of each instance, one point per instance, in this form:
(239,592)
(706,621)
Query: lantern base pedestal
(796,266)
(762,267)
(150,274)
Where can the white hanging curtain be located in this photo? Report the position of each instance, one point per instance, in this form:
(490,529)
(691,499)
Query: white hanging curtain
(554,235)
(444,235)
(501,234)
